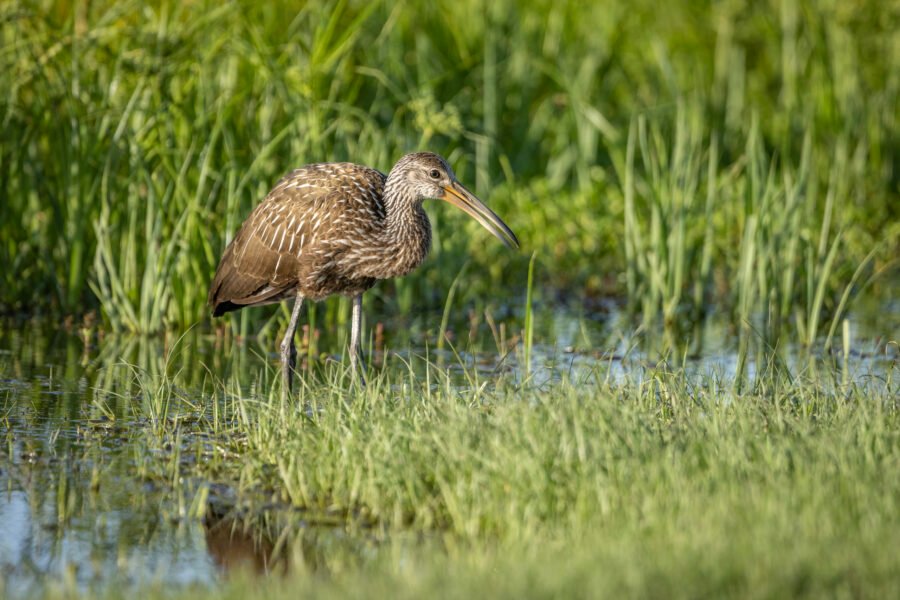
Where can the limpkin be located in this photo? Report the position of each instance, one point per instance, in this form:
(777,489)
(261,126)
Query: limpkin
(337,228)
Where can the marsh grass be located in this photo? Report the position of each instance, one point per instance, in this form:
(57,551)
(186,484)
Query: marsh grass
(135,140)
(665,482)
(735,159)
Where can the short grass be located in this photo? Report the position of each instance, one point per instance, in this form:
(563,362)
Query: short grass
(663,484)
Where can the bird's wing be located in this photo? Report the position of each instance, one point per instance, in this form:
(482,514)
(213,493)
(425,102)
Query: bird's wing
(261,263)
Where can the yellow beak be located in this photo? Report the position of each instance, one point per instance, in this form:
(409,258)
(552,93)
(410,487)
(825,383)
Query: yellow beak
(460,197)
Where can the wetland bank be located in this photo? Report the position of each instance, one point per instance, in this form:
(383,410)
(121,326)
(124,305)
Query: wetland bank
(126,470)
(685,385)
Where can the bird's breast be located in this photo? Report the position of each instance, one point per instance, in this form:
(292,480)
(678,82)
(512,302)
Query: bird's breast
(398,249)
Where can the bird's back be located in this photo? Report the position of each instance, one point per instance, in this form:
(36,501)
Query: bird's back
(289,240)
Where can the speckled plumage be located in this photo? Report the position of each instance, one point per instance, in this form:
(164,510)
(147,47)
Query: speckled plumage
(322,230)
(337,228)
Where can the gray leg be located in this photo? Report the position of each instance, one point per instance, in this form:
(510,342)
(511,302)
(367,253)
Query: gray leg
(288,350)
(355,328)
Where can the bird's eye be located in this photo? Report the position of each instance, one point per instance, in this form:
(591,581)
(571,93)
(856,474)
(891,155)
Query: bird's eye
(435,174)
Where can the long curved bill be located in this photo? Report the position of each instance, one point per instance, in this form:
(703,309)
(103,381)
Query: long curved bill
(460,197)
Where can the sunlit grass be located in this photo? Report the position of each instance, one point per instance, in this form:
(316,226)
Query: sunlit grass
(660,483)
(637,150)
(737,158)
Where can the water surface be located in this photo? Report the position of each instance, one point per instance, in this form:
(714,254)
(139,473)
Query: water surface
(81,502)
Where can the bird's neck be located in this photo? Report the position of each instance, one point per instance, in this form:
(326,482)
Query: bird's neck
(406,232)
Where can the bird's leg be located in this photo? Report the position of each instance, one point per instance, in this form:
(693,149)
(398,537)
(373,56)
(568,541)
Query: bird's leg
(355,328)
(288,350)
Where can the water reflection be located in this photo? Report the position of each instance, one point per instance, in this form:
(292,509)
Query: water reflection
(277,542)
(100,543)
(79,503)
(235,545)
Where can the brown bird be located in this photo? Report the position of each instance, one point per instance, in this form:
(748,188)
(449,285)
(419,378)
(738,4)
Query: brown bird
(337,228)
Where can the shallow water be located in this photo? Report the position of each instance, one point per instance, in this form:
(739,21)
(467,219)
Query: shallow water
(77,503)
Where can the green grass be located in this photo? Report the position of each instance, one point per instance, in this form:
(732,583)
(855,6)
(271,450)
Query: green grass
(733,157)
(638,150)
(661,484)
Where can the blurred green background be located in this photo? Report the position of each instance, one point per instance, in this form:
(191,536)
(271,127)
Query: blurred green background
(683,155)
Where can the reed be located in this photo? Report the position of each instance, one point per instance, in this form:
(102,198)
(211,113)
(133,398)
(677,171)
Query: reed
(651,143)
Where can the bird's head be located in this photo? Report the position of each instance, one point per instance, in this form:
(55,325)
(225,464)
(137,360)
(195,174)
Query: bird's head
(427,175)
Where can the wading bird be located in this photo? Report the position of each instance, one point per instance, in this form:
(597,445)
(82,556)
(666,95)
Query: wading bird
(337,228)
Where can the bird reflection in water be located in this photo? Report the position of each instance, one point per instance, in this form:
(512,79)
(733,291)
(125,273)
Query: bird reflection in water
(237,548)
